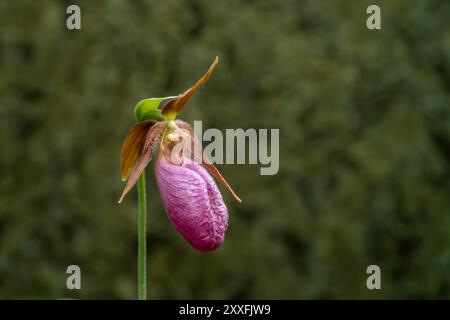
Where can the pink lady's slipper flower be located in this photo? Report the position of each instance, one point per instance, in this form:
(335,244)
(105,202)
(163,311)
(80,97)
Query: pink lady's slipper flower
(190,195)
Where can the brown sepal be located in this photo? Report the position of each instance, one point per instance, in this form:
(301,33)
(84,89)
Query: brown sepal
(175,105)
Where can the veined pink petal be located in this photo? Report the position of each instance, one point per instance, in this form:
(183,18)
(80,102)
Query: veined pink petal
(193,202)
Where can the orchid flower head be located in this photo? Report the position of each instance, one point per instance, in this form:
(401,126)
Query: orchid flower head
(183,172)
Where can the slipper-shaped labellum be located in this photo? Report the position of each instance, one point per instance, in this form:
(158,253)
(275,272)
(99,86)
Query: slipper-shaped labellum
(190,195)
(193,202)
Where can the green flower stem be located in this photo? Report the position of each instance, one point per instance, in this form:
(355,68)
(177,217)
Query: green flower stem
(142,239)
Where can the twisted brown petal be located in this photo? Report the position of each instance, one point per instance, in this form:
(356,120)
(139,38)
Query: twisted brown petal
(197,147)
(152,139)
(216,173)
(132,146)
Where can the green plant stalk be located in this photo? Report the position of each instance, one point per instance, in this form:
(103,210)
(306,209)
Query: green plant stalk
(142,238)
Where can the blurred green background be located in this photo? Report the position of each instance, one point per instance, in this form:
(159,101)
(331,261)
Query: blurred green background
(364,123)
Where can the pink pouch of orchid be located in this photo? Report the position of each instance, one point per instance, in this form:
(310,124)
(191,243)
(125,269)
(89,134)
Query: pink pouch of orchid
(193,203)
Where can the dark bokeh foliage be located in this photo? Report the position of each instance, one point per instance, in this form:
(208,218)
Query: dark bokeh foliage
(364,119)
